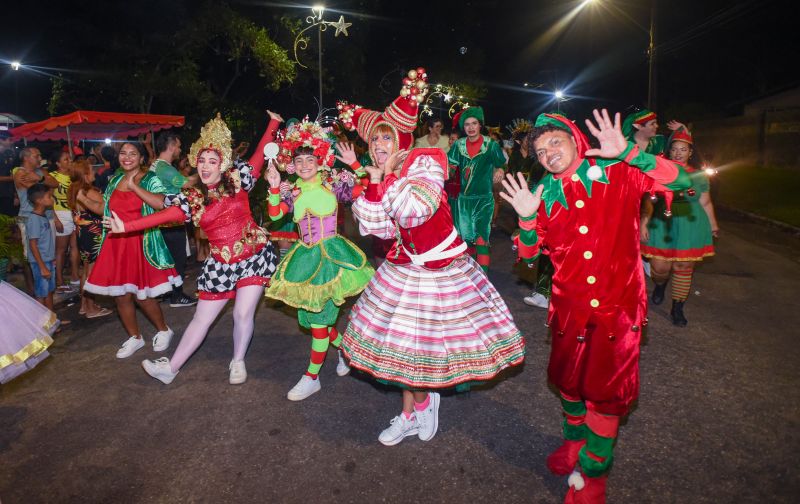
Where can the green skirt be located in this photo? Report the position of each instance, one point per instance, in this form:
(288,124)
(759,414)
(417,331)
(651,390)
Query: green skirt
(311,276)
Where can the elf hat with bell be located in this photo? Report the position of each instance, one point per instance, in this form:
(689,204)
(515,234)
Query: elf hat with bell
(400,116)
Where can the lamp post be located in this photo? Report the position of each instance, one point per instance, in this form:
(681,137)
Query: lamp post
(651,48)
(315,21)
(651,58)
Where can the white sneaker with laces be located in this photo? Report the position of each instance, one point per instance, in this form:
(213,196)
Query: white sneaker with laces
(129,347)
(536,299)
(161,340)
(238,372)
(159,369)
(428,419)
(342,369)
(399,428)
(304,388)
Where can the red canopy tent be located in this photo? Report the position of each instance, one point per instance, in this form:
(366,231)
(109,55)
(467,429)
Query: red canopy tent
(89,125)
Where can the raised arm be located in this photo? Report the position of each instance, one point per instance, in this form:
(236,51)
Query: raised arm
(257,158)
(614,145)
(413,199)
(276,208)
(526,204)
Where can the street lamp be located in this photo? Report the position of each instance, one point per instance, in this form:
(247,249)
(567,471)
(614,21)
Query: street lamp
(15,65)
(315,21)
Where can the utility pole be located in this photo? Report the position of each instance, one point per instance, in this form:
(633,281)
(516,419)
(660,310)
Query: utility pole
(652,76)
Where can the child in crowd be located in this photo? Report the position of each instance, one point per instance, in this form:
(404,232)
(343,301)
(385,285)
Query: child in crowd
(41,245)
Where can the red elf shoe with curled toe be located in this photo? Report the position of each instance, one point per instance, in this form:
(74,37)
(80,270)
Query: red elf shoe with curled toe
(563,461)
(586,490)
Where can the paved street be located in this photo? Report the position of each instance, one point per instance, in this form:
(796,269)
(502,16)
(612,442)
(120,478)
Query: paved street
(716,422)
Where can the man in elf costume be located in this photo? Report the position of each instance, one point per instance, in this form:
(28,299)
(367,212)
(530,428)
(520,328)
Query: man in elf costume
(586,212)
(641,128)
(480,161)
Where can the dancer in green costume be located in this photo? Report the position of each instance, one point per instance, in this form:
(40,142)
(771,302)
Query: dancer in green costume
(480,161)
(322,268)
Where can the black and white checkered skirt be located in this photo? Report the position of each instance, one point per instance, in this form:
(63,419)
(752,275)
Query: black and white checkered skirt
(219,277)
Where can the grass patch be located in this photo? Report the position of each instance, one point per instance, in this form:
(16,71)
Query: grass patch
(770,192)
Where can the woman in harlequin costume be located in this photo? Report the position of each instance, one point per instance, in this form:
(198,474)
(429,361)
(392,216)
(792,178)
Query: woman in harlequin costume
(322,268)
(429,319)
(242,259)
(675,244)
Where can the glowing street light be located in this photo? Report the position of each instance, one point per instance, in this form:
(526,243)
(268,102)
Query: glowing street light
(559,94)
(15,65)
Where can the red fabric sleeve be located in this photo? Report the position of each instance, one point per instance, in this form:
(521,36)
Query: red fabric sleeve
(171,214)
(257,159)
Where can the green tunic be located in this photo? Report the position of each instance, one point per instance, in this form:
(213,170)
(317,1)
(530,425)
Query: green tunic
(475,205)
(316,276)
(686,235)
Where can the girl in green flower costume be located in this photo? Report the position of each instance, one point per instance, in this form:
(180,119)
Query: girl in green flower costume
(322,268)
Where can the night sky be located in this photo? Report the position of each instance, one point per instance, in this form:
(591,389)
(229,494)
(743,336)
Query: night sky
(713,55)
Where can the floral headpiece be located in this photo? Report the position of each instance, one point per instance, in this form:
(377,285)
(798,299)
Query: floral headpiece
(306,134)
(215,136)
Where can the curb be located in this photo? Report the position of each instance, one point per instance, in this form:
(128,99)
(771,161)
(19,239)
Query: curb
(760,219)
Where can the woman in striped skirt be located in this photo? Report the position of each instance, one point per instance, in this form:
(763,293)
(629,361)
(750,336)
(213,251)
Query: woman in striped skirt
(429,319)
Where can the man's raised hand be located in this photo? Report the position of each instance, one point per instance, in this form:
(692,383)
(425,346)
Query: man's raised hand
(516,192)
(609,134)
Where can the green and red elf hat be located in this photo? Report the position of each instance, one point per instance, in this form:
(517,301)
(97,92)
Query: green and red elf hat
(560,121)
(641,118)
(681,135)
(476,112)
(400,115)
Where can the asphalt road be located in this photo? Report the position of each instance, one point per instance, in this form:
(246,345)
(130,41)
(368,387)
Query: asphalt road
(716,422)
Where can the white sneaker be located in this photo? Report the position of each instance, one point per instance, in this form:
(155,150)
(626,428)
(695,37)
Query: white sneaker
(342,369)
(159,369)
(399,428)
(428,419)
(238,372)
(129,347)
(161,340)
(536,299)
(304,388)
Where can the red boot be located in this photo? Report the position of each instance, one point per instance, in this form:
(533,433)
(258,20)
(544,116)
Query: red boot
(586,490)
(562,461)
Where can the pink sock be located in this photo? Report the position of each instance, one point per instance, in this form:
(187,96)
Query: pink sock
(407,415)
(419,406)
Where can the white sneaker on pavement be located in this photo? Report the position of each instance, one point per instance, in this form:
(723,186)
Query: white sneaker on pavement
(342,369)
(161,340)
(304,388)
(399,427)
(159,369)
(238,372)
(536,299)
(129,347)
(428,419)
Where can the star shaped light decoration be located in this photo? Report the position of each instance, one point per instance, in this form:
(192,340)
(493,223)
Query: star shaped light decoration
(341,27)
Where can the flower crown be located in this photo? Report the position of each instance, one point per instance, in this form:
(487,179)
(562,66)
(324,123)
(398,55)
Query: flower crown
(306,134)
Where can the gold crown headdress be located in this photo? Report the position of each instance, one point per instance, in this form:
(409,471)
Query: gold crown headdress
(216,136)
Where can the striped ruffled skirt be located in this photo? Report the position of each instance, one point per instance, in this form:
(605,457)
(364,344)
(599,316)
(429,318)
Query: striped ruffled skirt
(432,328)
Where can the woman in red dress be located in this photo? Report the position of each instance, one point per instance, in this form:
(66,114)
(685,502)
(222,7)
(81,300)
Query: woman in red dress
(136,265)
